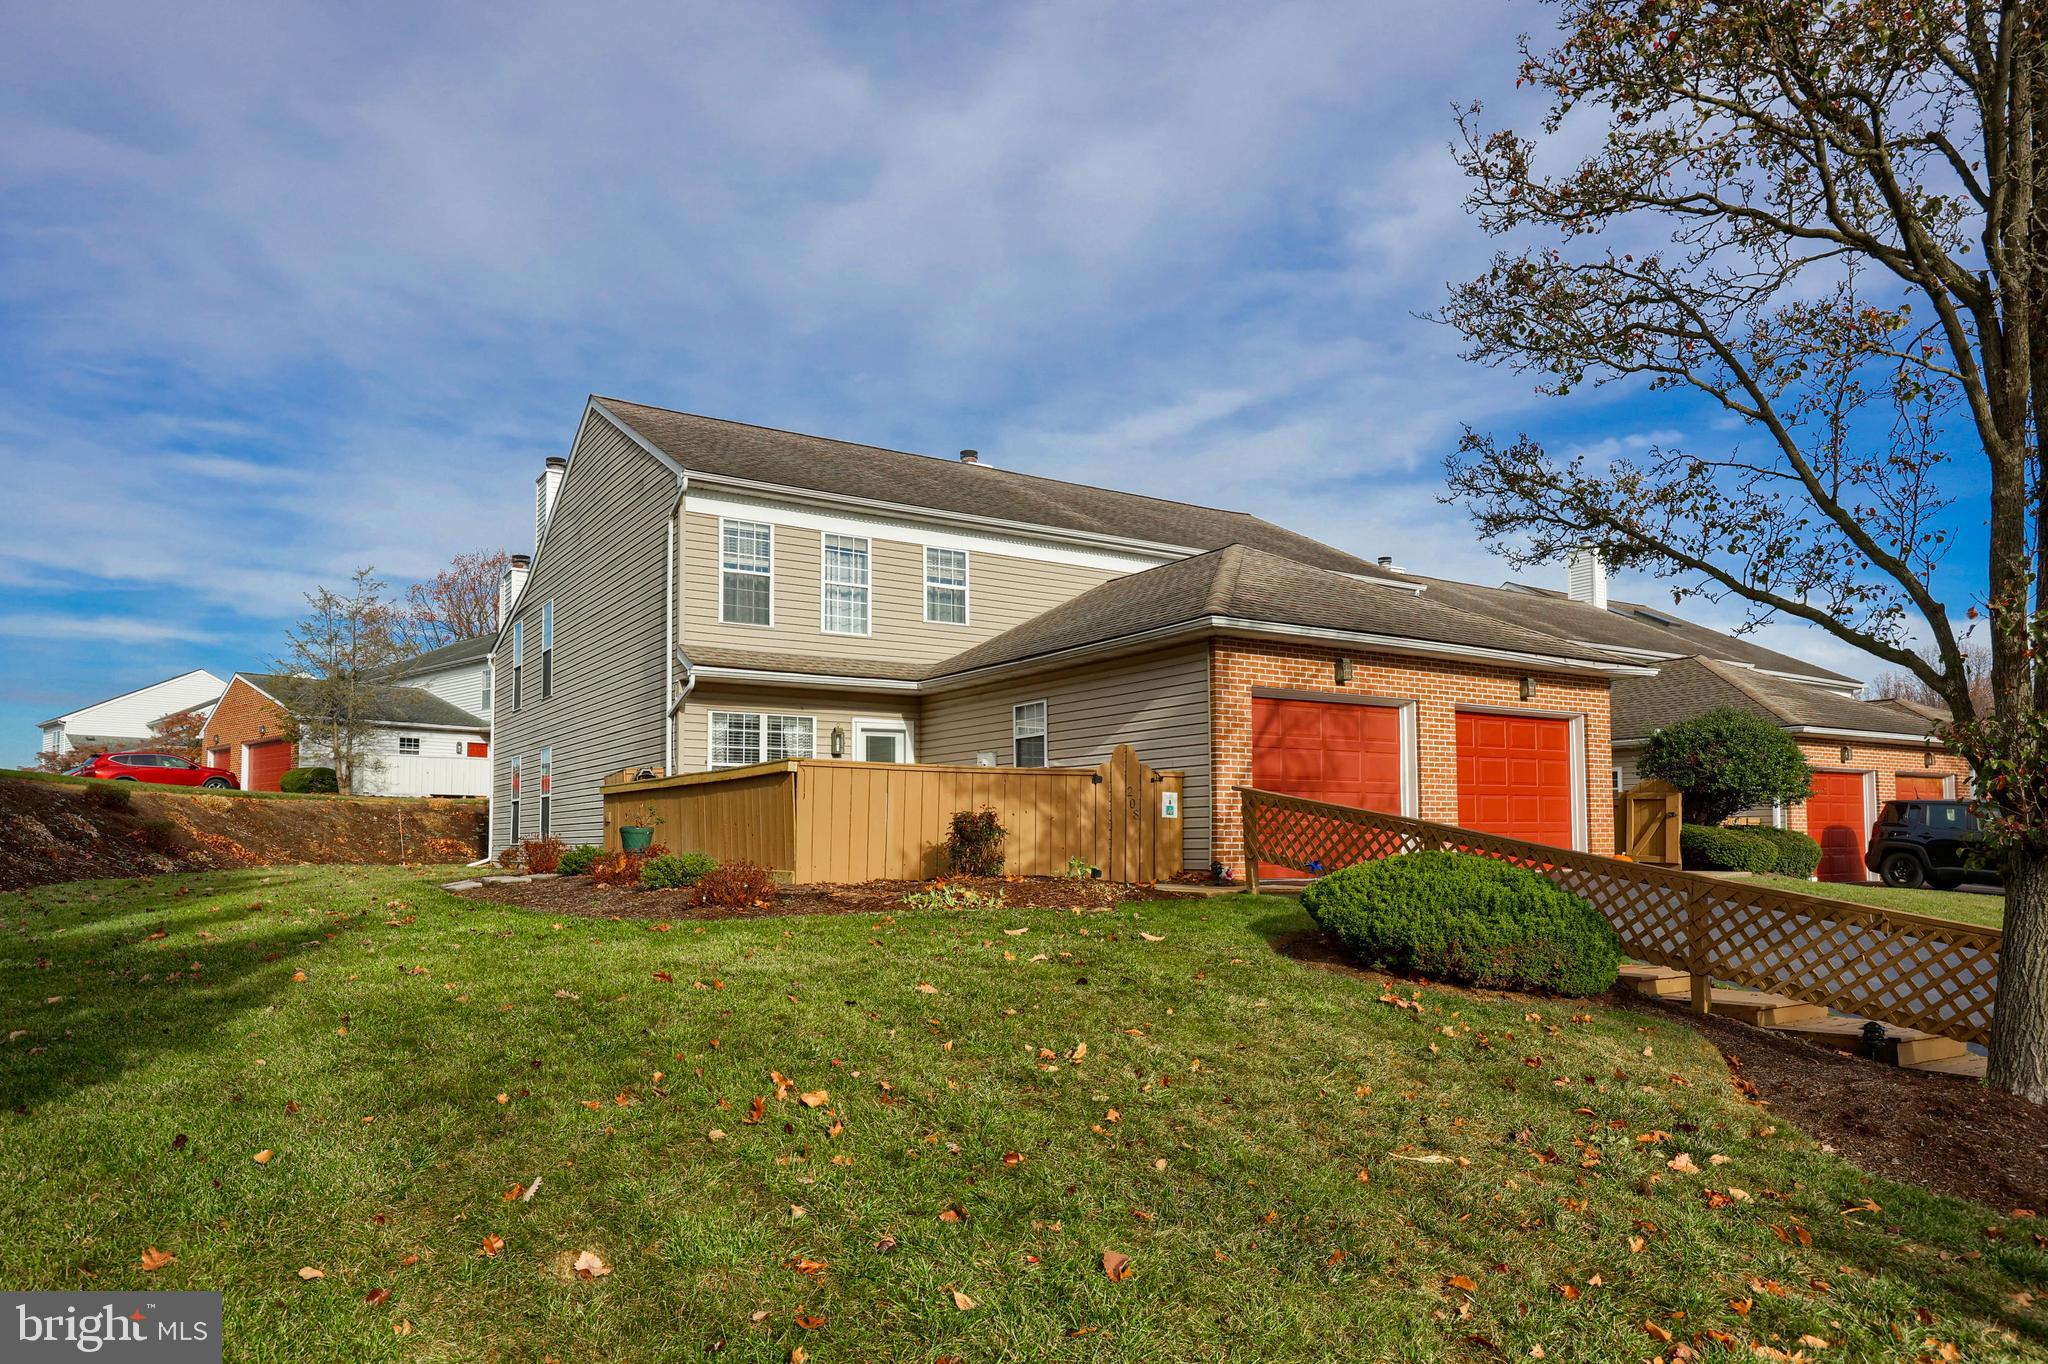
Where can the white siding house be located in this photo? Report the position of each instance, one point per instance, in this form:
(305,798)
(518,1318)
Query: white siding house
(405,760)
(128,719)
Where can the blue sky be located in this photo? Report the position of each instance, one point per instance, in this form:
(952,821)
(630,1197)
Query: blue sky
(297,288)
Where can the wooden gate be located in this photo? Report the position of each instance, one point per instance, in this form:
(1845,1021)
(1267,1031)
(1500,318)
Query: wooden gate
(1647,818)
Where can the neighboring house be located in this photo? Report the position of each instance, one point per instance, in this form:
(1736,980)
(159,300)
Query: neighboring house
(706,594)
(129,720)
(423,745)
(458,673)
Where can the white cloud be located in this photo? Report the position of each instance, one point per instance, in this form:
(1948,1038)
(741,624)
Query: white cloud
(110,629)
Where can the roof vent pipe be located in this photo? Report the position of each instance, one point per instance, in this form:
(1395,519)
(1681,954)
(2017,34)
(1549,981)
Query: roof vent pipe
(970,456)
(1586,577)
(1385,561)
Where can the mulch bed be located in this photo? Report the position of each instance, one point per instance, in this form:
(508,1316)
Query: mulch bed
(584,898)
(1944,1133)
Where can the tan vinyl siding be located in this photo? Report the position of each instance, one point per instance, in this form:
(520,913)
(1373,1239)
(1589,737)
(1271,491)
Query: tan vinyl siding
(604,566)
(1158,703)
(827,708)
(1002,591)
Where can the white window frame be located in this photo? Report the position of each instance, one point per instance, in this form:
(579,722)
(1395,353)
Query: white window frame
(516,767)
(1044,735)
(764,722)
(412,739)
(864,725)
(547,648)
(825,584)
(768,526)
(966,579)
(547,784)
(774,726)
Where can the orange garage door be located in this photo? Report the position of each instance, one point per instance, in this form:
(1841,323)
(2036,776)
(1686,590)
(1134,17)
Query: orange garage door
(1922,788)
(1515,776)
(1338,751)
(1835,815)
(268,762)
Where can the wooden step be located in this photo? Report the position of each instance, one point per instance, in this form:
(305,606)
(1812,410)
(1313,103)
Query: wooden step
(1765,1010)
(1904,1046)
(1968,1066)
(1658,982)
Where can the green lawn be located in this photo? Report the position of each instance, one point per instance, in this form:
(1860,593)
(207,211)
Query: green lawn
(1213,1131)
(1969,906)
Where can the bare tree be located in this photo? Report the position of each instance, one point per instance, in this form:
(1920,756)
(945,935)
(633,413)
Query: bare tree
(1826,218)
(460,602)
(336,670)
(1900,685)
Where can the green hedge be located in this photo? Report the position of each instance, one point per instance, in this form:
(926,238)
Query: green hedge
(300,781)
(577,860)
(1798,855)
(1471,919)
(1711,847)
(674,871)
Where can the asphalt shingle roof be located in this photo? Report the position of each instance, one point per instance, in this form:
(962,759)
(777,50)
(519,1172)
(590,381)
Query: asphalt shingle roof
(475,649)
(392,705)
(1687,687)
(788,459)
(1623,625)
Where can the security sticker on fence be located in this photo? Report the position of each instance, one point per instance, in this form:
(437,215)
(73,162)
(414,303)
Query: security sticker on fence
(1169,805)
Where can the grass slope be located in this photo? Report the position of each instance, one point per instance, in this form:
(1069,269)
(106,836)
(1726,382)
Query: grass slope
(1971,907)
(1213,1132)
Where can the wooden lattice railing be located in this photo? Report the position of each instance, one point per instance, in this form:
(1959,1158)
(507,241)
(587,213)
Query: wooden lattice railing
(1905,969)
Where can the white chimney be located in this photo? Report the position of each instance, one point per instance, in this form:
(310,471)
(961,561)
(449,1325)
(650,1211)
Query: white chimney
(1586,578)
(544,489)
(510,583)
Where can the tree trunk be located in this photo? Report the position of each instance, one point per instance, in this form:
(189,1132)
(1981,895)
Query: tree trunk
(2019,1032)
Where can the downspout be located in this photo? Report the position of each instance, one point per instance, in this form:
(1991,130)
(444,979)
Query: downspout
(673,654)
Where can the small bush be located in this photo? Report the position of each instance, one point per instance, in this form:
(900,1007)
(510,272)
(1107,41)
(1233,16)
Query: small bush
(1798,854)
(1727,760)
(624,868)
(301,781)
(1080,869)
(944,895)
(736,885)
(675,872)
(578,860)
(1711,847)
(974,844)
(1458,917)
(542,855)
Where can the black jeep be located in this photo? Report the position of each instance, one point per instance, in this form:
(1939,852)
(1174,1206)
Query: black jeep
(1927,842)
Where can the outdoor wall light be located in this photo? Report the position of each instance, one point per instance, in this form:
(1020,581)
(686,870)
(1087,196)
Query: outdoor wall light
(1528,689)
(838,742)
(1846,754)
(1927,757)
(1343,672)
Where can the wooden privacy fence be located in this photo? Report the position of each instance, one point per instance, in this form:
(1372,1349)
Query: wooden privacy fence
(1904,969)
(1647,820)
(815,820)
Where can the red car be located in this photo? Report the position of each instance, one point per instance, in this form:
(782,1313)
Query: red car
(160,768)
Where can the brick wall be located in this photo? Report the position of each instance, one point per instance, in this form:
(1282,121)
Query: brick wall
(1437,687)
(242,713)
(1887,760)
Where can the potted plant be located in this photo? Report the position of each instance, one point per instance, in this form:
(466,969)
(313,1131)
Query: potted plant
(635,838)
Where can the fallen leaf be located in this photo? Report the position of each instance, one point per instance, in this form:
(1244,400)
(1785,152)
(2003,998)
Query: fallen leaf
(952,1212)
(154,1259)
(808,1323)
(492,1245)
(1152,937)
(1463,1282)
(962,1301)
(589,1266)
(1115,1266)
(263,1157)
(1683,1164)
(814,1098)
(377,1297)
(925,987)
(309,1273)
(755,1110)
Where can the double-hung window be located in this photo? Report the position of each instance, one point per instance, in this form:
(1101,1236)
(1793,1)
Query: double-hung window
(945,586)
(746,563)
(518,657)
(512,835)
(409,743)
(846,585)
(547,651)
(484,706)
(1027,734)
(739,738)
(547,785)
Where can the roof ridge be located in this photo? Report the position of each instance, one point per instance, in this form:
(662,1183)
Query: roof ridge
(940,460)
(1734,675)
(1223,587)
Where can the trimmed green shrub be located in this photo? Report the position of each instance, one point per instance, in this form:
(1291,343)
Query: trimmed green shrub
(301,780)
(1710,847)
(578,860)
(1798,854)
(1728,760)
(676,870)
(1458,917)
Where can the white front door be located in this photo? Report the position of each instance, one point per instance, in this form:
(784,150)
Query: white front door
(881,741)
